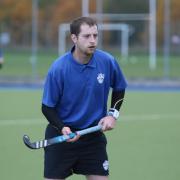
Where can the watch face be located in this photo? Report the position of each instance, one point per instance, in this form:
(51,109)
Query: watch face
(110,113)
(114,113)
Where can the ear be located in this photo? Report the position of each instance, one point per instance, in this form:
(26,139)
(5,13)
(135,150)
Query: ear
(74,38)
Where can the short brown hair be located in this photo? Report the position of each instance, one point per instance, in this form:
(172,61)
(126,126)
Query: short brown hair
(76,24)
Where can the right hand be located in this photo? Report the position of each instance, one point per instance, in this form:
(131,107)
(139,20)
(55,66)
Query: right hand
(66,131)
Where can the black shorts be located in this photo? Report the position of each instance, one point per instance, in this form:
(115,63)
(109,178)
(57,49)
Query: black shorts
(87,156)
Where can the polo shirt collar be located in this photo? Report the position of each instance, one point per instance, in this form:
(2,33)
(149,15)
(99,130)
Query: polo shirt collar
(92,62)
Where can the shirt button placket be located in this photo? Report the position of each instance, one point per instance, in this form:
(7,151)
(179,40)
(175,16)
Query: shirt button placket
(87,77)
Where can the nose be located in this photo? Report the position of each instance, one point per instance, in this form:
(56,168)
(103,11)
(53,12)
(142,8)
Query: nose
(92,39)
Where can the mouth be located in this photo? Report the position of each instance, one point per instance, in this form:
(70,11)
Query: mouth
(92,47)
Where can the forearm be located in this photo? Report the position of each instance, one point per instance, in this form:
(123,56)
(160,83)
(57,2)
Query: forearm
(117,99)
(116,102)
(52,117)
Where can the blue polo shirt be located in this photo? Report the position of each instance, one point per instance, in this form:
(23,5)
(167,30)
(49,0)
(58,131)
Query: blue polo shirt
(80,92)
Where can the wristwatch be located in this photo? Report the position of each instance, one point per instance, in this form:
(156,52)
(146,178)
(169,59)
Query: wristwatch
(113,112)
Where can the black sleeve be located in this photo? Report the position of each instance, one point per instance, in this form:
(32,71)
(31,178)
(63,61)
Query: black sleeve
(52,116)
(117,99)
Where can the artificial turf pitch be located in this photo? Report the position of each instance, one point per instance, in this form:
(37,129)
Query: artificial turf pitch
(145,144)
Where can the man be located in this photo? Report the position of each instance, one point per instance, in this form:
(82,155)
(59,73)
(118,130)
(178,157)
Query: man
(75,97)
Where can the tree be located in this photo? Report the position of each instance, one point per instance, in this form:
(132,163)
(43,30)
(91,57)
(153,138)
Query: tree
(15,18)
(174,18)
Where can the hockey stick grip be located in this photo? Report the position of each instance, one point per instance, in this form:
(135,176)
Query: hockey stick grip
(89,130)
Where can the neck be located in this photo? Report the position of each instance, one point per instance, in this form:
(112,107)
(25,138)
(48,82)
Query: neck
(81,57)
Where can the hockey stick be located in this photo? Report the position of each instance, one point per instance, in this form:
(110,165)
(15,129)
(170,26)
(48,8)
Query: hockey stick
(58,139)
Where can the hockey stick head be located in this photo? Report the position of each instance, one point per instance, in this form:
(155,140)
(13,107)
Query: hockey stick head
(27,142)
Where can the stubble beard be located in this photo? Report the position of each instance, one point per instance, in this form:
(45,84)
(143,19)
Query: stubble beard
(90,52)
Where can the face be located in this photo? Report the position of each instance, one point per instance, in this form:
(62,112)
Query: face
(86,41)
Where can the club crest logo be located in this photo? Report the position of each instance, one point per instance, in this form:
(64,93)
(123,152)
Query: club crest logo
(100,78)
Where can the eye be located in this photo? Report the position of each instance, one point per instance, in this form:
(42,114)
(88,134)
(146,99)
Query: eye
(87,36)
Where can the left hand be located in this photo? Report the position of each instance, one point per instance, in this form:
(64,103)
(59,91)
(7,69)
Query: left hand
(67,131)
(107,123)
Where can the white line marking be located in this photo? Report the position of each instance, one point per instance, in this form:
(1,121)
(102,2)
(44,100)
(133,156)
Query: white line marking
(10,122)
(143,117)
(146,117)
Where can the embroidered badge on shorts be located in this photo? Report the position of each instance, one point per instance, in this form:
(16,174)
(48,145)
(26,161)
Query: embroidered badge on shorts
(106,165)
(100,78)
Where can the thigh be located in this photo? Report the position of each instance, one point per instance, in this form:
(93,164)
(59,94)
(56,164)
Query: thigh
(92,155)
(59,158)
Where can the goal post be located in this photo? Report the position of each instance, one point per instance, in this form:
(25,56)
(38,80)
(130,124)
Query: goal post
(150,16)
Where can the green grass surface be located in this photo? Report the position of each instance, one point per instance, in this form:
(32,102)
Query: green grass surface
(145,144)
(18,64)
